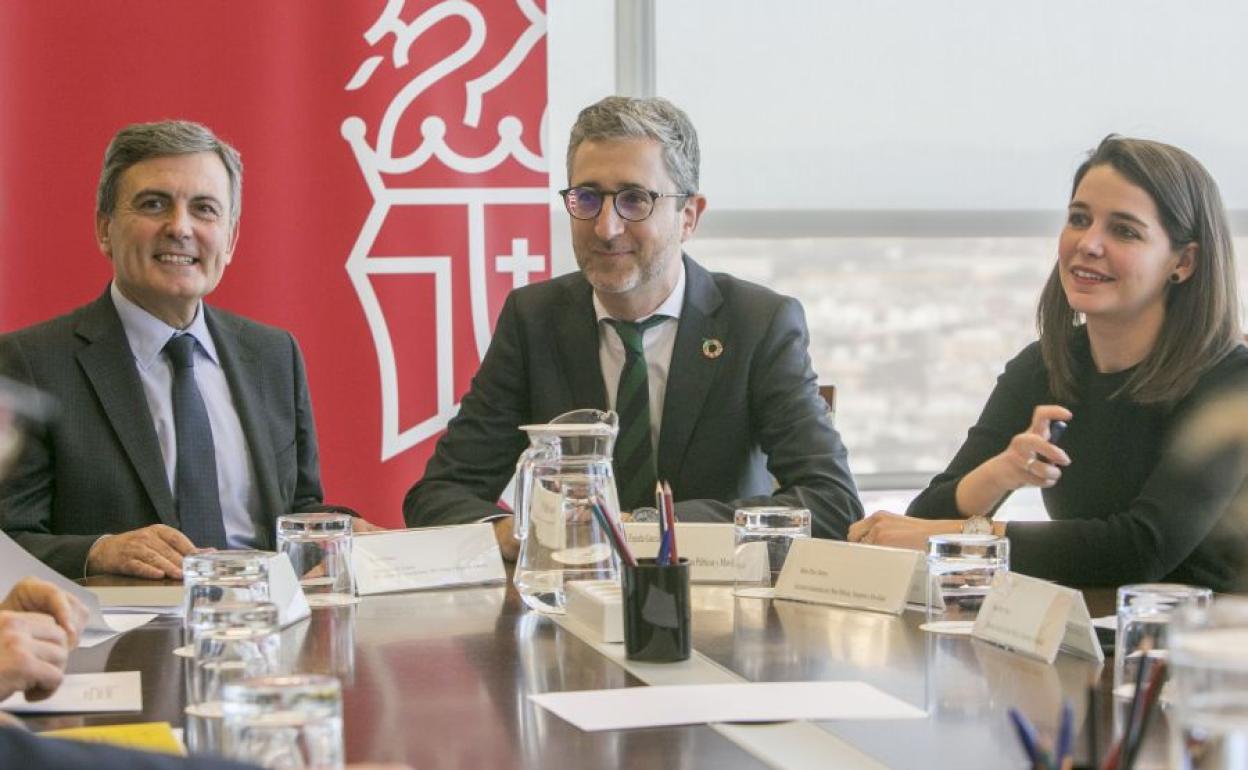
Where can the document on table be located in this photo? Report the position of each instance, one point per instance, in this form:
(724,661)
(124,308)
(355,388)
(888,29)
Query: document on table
(16,563)
(82,693)
(629,707)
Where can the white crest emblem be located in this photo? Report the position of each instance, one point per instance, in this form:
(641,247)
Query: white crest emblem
(380,163)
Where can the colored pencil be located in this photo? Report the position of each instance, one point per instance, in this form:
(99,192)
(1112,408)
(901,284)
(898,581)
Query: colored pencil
(671,520)
(614,534)
(1135,738)
(661,504)
(1026,736)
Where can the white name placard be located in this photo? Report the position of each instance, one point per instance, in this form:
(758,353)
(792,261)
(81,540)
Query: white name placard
(708,547)
(285,591)
(848,574)
(1036,618)
(431,557)
(82,693)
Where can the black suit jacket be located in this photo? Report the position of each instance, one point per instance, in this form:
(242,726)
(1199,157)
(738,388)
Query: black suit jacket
(729,423)
(19,748)
(97,466)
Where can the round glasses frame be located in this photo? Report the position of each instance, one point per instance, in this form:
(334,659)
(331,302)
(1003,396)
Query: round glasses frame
(627,193)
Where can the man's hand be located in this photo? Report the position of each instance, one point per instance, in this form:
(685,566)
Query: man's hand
(33,651)
(507,542)
(358,524)
(34,595)
(153,552)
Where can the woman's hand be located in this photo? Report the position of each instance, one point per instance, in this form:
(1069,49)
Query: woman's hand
(891,529)
(1030,460)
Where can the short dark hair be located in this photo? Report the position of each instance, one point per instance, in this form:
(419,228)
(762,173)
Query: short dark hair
(140,141)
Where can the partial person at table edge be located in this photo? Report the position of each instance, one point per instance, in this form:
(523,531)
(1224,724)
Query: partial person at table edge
(179,425)
(1139,325)
(732,399)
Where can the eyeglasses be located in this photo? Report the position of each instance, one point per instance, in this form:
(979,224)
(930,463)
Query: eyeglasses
(632,203)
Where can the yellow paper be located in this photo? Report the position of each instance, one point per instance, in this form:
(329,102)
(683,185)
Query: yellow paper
(146,736)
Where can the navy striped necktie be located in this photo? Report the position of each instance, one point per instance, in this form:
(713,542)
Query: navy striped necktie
(195,475)
(635,472)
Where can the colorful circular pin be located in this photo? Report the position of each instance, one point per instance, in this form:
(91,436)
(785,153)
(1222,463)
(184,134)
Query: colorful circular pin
(712,348)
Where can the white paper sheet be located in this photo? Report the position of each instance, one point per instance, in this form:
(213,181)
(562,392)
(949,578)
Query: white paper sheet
(16,563)
(83,693)
(630,707)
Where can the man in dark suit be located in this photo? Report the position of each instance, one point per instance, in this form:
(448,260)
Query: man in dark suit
(710,374)
(178,425)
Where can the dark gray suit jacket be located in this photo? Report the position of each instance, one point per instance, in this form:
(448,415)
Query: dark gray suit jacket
(97,466)
(729,423)
(19,748)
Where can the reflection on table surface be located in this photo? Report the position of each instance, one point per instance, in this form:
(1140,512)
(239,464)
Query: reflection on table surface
(440,679)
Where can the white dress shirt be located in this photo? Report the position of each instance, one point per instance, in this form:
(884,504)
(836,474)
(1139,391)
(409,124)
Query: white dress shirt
(658,342)
(147,336)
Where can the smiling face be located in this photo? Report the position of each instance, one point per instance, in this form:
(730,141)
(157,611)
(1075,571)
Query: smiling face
(633,266)
(169,236)
(1115,257)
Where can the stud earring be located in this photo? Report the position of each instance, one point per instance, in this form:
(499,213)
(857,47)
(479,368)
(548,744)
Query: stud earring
(1174,277)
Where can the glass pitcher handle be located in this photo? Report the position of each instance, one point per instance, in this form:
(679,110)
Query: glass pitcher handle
(524,483)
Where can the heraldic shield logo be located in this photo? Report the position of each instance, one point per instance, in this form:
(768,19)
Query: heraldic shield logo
(452,150)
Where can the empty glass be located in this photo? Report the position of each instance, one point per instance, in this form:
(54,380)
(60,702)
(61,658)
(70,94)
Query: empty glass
(319,547)
(962,568)
(232,641)
(221,576)
(762,537)
(285,721)
(1144,613)
(1209,685)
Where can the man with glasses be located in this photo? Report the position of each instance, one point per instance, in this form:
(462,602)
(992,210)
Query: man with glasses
(709,374)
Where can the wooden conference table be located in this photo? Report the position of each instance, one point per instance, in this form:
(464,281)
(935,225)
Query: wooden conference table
(439,679)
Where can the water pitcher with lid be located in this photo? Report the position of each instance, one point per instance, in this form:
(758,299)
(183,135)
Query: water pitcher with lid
(563,474)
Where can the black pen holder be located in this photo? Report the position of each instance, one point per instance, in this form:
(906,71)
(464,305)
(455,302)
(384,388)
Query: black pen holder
(656,611)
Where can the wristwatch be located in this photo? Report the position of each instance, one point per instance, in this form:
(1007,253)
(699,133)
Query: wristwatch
(977,525)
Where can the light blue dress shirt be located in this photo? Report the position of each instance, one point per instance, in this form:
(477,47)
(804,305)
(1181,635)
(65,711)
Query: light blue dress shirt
(147,336)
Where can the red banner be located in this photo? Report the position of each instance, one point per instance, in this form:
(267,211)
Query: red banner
(395,186)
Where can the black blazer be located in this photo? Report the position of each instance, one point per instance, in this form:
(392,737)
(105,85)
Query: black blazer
(19,748)
(97,466)
(730,424)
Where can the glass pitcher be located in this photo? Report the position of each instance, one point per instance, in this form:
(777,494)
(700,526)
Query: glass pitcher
(559,478)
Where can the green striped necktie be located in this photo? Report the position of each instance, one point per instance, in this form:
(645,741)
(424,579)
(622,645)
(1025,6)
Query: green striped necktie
(635,472)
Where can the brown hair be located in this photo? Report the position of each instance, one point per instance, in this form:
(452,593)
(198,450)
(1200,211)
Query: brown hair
(1202,313)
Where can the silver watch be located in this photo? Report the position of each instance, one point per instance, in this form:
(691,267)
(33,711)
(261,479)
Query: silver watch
(977,525)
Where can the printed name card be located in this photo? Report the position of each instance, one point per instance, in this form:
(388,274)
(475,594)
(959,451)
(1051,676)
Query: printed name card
(285,591)
(83,693)
(1036,618)
(707,546)
(432,557)
(848,575)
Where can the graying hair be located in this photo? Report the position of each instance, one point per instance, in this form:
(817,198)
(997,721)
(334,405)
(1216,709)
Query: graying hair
(140,141)
(623,117)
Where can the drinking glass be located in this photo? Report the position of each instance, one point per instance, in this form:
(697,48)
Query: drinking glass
(232,641)
(319,547)
(221,576)
(1144,614)
(1209,686)
(285,721)
(762,537)
(961,568)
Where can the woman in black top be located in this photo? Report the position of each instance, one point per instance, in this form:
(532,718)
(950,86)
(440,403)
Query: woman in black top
(1139,323)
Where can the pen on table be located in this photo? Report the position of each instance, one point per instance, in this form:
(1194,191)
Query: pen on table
(671,519)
